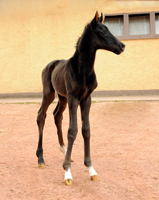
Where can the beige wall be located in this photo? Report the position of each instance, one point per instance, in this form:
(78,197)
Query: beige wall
(36,32)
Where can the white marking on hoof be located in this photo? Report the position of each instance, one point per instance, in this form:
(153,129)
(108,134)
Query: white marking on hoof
(68,174)
(92,171)
(63,149)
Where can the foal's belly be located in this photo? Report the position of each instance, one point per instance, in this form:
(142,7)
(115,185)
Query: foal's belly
(58,78)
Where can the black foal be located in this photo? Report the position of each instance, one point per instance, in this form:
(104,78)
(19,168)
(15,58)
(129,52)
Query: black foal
(74,80)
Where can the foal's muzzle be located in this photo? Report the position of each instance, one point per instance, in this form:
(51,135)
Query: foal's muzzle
(120,49)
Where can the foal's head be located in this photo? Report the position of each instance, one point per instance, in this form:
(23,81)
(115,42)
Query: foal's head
(104,39)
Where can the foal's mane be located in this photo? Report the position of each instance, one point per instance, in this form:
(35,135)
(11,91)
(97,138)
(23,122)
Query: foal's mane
(78,41)
(83,34)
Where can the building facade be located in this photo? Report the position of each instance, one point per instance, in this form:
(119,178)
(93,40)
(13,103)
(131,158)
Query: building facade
(33,33)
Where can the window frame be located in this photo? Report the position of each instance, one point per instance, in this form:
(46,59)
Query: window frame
(126,35)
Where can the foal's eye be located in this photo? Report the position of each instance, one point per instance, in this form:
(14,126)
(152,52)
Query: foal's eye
(104,33)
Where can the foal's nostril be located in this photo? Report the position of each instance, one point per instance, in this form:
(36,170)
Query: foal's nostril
(122,46)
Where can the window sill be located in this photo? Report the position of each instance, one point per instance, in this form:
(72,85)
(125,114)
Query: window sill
(137,37)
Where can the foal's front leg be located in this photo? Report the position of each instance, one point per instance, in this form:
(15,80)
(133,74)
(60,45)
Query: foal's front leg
(85,108)
(72,133)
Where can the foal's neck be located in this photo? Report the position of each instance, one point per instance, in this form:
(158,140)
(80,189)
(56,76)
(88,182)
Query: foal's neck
(85,52)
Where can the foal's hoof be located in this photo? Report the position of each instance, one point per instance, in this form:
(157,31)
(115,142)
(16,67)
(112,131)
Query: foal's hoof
(41,166)
(94,178)
(68,182)
(71,159)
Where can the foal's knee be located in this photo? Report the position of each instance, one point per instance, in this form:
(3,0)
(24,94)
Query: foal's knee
(86,132)
(72,133)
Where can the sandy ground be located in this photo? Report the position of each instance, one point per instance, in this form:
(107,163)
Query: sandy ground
(124,150)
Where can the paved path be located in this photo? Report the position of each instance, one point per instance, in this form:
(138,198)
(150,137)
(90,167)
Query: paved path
(98,99)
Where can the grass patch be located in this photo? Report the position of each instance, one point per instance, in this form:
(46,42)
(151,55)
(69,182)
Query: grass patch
(94,101)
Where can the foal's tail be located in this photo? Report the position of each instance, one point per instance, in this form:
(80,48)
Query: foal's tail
(48,90)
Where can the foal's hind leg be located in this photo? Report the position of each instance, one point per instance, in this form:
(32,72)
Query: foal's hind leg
(85,108)
(47,100)
(58,117)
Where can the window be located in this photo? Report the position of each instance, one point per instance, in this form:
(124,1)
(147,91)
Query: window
(139,24)
(134,25)
(157,23)
(115,24)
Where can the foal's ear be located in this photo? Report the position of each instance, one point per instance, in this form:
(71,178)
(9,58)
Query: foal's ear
(101,18)
(95,19)
(96,16)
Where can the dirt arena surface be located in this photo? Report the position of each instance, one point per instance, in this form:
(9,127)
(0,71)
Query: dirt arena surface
(124,150)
